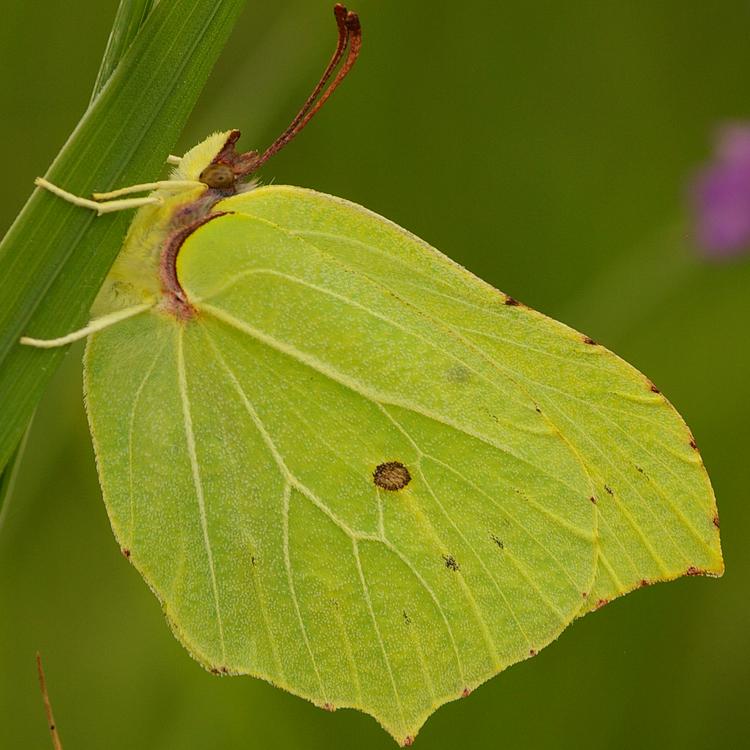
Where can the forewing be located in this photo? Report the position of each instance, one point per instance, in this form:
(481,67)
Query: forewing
(657,515)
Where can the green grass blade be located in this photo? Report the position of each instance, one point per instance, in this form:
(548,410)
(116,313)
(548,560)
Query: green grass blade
(54,257)
(131,15)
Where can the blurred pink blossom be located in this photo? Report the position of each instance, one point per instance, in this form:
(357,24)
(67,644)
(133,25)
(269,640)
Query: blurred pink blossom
(721,196)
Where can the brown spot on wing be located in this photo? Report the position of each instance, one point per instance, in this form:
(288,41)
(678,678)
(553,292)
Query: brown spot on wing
(391,476)
(450,563)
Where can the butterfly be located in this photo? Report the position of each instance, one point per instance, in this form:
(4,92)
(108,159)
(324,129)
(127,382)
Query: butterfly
(346,465)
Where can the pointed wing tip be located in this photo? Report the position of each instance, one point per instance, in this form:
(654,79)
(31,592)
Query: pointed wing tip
(714,571)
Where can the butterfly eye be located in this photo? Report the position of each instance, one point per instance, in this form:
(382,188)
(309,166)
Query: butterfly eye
(219,176)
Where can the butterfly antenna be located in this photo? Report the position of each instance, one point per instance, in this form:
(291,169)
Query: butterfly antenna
(340,13)
(350,38)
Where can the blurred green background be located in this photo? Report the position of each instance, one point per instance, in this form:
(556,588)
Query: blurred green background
(548,148)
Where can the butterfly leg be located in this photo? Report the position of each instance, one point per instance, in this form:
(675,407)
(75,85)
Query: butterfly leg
(160,185)
(95,325)
(100,208)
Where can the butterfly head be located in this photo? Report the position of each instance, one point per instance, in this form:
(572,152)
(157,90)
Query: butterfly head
(216,163)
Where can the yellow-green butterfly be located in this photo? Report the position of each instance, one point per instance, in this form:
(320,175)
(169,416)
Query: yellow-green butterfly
(346,465)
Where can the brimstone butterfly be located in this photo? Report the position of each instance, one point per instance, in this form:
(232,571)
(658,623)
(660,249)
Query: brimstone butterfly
(346,465)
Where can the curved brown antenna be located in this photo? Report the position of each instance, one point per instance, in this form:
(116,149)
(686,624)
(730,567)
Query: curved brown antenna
(350,38)
(340,13)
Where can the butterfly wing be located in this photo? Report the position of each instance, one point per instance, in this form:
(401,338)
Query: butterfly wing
(361,474)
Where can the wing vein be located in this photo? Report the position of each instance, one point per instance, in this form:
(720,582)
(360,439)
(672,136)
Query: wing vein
(286,473)
(293,591)
(131,422)
(368,600)
(190,438)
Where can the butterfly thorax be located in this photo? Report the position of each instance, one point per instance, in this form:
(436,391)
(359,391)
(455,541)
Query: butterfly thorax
(144,271)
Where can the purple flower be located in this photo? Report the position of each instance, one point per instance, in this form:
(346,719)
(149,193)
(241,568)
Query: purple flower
(721,196)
